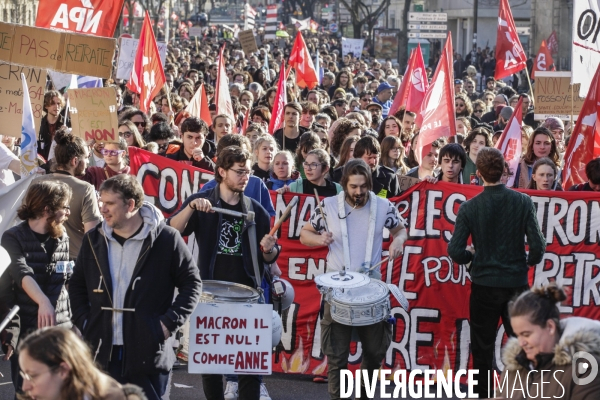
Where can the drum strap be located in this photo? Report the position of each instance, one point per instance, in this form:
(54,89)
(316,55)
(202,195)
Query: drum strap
(341,197)
(253,246)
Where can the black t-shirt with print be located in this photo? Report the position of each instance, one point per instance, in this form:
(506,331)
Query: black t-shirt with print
(324,191)
(229,265)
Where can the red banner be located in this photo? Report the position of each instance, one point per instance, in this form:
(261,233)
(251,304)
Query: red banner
(92,17)
(435,332)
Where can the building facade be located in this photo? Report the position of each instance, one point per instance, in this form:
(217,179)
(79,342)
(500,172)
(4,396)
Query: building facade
(18,11)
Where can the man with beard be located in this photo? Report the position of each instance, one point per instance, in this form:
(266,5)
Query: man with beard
(40,268)
(376,111)
(123,288)
(71,155)
(224,242)
(385,181)
(288,137)
(348,248)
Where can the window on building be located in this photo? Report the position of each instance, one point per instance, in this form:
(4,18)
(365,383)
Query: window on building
(5,15)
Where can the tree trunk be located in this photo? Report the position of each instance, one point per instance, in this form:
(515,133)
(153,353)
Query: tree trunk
(357,29)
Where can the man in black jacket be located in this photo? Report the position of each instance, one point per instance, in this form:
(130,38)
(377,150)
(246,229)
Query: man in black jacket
(123,286)
(51,122)
(385,181)
(193,135)
(224,241)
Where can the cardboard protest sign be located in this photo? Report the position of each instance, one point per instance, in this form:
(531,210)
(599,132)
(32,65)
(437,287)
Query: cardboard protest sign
(11,97)
(231,339)
(59,51)
(127,52)
(554,96)
(247,41)
(195,31)
(94,114)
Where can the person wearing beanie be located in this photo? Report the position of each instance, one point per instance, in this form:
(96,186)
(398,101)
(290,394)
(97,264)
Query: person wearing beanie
(383,97)
(557,127)
(505,113)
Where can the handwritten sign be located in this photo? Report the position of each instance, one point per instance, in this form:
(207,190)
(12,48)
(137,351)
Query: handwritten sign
(406,182)
(231,339)
(554,96)
(11,97)
(247,41)
(59,51)
(94,114)
(127,55)
(354,46)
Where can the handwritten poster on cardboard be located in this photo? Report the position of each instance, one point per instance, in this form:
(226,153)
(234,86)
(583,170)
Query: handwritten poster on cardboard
(94,114)
(127,52)
(554,96)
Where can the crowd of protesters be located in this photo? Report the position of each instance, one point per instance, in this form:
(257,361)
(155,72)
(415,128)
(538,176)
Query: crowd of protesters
(81,216)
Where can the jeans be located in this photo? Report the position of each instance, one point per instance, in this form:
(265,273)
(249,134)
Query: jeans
(248,387)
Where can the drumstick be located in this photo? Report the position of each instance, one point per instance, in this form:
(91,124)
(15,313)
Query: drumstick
(284,216)
(321,208)
(378,264)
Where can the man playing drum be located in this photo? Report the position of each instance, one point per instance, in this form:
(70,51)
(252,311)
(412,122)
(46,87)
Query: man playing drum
(342,229)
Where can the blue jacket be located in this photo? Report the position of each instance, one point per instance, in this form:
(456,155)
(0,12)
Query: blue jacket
(274,183)
(256,190)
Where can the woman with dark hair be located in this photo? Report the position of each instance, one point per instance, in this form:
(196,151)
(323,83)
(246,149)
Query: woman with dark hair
(390,126)
(346,154)
(462,105)
(129,132)
(544,175)
(268,98)
(260,77)
(473,143)
(58,365)
(40,266)
(261,115)
(140,120)
(541,144)
(547,345)
(392,155)
(186,91)
(344,128)
(316,167)
(308,141)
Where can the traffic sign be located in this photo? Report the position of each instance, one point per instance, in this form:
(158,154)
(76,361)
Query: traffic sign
(427,35)
(425,27)
(427,17)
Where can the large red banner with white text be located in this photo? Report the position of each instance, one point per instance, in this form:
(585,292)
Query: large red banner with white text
(92,17)
(435,332)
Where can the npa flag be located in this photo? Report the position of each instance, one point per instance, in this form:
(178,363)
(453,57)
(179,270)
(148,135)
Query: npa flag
(147,74)
(92,17)
(306,75)
(552,43)
(414,85)
(510,141)
(584,144)
(28,134)
(198,106)
(436,116)
(222,96)
(280,101)
(543,61)
(510,57)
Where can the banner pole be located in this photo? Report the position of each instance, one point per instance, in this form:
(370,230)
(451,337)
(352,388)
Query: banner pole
(171,117)
(530,87)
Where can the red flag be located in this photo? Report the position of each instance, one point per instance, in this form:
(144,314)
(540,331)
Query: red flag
(510,141)
(246,122)
(92,17)
(552,43)
(510,57)
(543,61)
(198,106)
(300,60)
(584,144)
(280,101)
(414,85)
(436,116)
(222,96)
(147,74)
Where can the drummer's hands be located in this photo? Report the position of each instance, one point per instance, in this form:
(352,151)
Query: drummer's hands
(326,238)
(201,205)
(396,249)
(471,249)
(268,243)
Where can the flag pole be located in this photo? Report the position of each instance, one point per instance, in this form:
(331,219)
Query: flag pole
(530,87)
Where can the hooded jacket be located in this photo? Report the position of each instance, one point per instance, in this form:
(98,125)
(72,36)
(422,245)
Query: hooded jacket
(162,264)
(579,335)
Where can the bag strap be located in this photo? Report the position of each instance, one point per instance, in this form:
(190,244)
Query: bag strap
(253,247)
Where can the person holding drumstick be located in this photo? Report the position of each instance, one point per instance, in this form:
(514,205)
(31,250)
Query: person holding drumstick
(350,212)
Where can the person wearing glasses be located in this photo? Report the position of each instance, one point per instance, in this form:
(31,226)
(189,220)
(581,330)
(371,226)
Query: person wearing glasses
(40,267)
(492,116)
(470,89)
(365,99)
(115,156)
(316,169)
(224,243)
(56,364)
(355,221)
(478,110)
(140,120)
(129,132)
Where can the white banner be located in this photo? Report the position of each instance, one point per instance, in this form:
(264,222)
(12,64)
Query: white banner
(354,46)
(231,339)
(585,53)
(301,24)
(127,54)
(11,198)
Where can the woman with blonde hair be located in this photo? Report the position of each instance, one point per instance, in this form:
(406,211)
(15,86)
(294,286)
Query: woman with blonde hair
(57,365)
(283,170)
(262,155)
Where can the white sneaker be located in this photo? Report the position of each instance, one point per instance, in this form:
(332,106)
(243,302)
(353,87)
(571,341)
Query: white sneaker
(264,394)
(231,391)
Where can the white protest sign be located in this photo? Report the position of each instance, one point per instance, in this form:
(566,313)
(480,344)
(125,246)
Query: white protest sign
(354,46)
(127,55)
(585,49)
(231,339)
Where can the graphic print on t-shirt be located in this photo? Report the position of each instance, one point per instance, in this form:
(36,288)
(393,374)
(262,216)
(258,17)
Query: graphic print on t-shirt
(230,240)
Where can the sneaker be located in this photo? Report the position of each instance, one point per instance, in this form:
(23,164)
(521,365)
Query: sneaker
(264,394)
(231,391)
